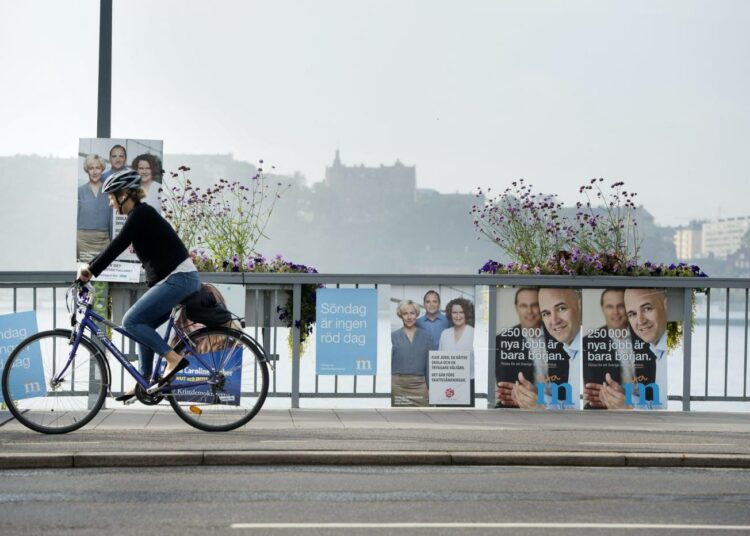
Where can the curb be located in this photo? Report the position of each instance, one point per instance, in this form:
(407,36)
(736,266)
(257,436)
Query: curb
(382,458)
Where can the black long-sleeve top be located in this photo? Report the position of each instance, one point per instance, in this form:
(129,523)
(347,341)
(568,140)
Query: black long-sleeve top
(155,242)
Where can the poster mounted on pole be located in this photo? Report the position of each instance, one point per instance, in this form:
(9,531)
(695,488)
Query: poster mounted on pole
(96,223)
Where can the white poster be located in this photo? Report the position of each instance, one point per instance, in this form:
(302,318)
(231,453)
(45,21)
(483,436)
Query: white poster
(450,378)
(121,272)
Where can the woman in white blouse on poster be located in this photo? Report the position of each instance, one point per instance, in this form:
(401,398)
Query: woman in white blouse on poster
(460,337)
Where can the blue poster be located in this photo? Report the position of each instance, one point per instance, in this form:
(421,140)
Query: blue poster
(28,380)
(346,331)
(230,364)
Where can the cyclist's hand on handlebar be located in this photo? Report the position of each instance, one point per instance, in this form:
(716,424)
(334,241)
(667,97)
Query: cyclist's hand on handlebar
(84,274)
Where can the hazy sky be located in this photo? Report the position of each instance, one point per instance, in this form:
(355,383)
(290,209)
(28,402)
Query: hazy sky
(651,92)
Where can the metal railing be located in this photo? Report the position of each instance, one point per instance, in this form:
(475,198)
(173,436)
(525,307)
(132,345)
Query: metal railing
(721,320)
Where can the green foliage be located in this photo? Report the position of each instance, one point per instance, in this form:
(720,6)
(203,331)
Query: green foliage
(259,264)
(534,231)
(524,224)
(227,219)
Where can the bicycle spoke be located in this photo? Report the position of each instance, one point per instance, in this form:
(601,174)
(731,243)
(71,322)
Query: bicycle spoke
(45,391)
(236,367)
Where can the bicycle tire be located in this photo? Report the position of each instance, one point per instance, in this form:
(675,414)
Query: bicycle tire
(54,409)
(236,399)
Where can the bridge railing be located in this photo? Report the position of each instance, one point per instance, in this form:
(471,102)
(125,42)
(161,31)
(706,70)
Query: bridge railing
(714,357)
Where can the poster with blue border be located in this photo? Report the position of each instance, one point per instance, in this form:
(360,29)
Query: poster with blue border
(197,375)
(346,331)
(14,328)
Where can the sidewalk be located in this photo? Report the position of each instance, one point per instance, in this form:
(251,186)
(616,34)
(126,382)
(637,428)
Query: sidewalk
(157,437)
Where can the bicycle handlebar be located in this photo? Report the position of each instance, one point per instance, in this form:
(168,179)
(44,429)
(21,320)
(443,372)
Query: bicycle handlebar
(85,291)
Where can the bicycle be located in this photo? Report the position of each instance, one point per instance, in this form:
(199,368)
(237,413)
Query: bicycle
(56,381)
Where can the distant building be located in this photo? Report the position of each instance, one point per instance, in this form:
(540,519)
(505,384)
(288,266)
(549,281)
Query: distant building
(397,179)
(367,194)
(739,263)
(723,237)
(688,242)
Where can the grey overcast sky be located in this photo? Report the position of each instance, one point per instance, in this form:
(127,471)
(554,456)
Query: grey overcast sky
(652,92)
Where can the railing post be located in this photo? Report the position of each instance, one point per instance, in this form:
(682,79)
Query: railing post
(296,327)
(267,326)
(687,337)
(492,322)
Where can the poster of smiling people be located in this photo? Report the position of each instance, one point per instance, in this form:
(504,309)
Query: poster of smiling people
(537,348)
(625,348)
(432,346)
(96,221)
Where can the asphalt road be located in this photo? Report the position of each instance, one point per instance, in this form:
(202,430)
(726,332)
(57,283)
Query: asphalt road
(255,500)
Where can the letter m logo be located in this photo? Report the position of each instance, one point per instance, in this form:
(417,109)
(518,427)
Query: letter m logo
(31,387)
(655,397)
(554,393)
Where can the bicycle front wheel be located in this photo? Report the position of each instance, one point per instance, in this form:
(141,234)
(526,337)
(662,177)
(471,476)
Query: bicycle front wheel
(230,378)
(50,391)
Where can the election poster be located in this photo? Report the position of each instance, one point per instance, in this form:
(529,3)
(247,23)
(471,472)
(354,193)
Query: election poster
(625,349)
(346,331)
(537,348)
(96,222)
(27,381)
(192,383)
(432,346)
(195,375)
(450,378)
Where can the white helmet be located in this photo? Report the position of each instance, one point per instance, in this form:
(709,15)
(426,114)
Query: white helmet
(126,179)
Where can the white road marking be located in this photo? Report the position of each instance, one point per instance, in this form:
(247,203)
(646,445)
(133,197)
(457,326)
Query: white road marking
(305,440)
(653,444)
(556,526)
(32,443)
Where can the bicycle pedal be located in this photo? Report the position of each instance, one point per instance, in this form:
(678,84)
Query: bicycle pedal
(153,388)
(130,401)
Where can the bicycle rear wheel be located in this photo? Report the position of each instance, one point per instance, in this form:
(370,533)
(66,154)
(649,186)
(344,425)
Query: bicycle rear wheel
(41,400)
(234,382)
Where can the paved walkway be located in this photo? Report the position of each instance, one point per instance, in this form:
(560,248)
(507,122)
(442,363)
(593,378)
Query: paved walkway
(147,436)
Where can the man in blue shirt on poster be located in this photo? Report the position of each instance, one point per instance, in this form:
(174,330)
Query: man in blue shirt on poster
(433,320)
(117,158)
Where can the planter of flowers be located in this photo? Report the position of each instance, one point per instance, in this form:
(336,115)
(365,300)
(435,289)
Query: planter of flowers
(221,226)
(600,240)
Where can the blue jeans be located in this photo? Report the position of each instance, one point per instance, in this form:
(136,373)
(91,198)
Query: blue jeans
(152,310)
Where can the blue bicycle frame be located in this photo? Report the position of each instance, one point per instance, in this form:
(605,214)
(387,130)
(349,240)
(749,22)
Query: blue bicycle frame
(90,316)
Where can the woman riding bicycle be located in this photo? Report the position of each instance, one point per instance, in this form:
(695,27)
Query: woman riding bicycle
(170,272)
